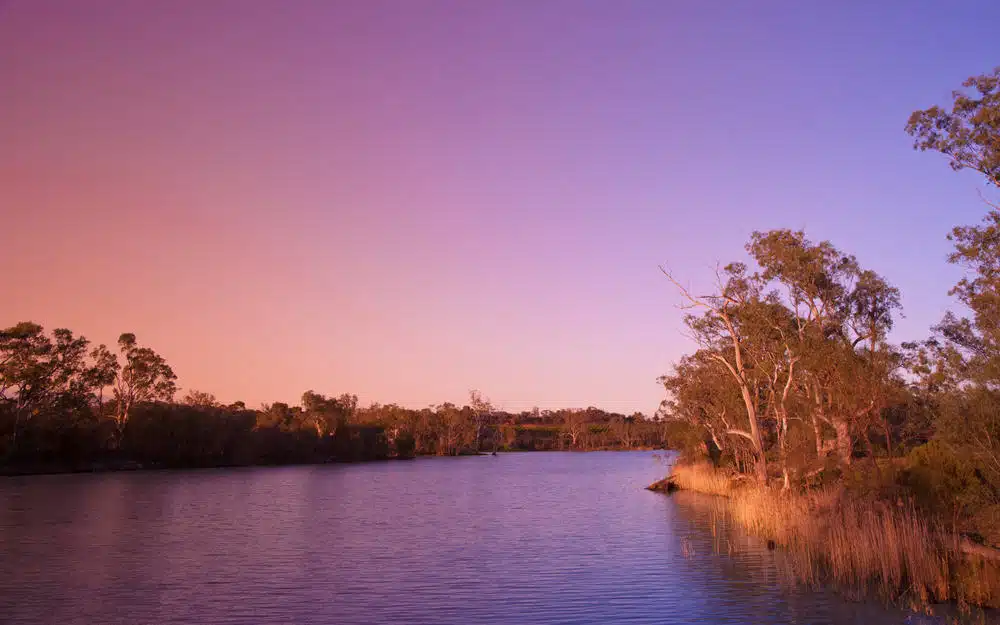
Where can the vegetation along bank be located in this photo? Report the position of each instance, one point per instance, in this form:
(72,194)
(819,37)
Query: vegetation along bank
(877,465)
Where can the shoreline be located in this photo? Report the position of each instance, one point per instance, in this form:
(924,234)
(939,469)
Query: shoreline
(130,466)
(859,546)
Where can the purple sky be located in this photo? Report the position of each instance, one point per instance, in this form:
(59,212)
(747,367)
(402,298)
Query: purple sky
(410,199)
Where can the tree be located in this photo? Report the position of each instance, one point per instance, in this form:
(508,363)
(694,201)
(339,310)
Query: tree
(454,427)
(102,373)
(144,377)
(23,351)
(625,428)
(958,369)
(325,414)
(702,394)
(719,332)
(574,424)
(969,134)
(482,410)
(840,317)
(201,399)
(42,376)
(803,334)
(348,405)
(281,416)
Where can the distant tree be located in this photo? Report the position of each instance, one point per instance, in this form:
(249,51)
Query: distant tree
(102,373)
(42,376)
(145,376)
(482,411)
(348,405)
(199,398)
(455,428)
(574,424)
(279,415)
(327,414)
(323,413)
(625,429)
(23,372)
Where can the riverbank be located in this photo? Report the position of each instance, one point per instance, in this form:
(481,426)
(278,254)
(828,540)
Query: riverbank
(861,546)
(19,470)
(113,466)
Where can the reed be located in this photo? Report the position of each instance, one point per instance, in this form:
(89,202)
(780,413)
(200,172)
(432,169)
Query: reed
(861,546)
(702,478)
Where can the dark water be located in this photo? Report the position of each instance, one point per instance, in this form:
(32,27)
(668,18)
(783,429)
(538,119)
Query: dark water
(520,538)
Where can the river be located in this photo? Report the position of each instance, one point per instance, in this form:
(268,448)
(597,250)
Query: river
(523,538)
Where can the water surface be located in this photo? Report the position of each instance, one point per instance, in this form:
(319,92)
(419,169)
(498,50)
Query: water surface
(529,538)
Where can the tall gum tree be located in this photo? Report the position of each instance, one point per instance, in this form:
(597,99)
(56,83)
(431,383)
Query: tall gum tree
(961,362)
(717,330)
(841,315)
(143,376)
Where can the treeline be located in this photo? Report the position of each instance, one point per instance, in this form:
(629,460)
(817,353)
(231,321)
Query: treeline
(795,381)
(66,405)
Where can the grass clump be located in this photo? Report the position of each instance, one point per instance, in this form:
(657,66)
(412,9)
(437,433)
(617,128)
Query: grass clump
(861,545)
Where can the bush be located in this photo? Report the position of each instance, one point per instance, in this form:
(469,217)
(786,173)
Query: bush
(949,486)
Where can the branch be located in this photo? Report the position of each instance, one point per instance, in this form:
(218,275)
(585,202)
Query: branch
(721,359)
(740,433)
(695,302)
(788,383)
(988,203)
(864,410)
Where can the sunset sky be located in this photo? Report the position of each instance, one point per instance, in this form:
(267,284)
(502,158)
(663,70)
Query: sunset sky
(410,199)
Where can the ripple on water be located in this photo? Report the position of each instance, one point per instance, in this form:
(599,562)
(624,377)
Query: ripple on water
(529,538)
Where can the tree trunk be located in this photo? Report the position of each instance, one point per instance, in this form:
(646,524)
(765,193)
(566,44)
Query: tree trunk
(843,441)
(760,462)
(818,430)
(888,437)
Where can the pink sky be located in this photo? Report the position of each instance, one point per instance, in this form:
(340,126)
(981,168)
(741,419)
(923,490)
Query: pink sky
(410,200)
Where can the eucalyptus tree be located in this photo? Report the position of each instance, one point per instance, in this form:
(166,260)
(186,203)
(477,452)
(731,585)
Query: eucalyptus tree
(482,412)
(200,399)
(42,376)
(723,334)
(456,429)
(969,136)
(840,318)
(102,374)
(327,414)
(959,367)
(144,376)
(574,425)
(702,394)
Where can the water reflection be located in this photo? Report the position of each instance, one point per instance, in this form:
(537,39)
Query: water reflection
(543,538)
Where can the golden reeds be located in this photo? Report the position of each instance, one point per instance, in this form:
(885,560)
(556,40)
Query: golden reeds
(860,546)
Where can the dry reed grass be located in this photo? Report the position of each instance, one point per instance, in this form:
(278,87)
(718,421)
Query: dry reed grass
(860,546)
(702,478)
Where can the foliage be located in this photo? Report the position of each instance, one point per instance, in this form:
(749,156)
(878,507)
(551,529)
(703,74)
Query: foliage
(791,351)
(794,377)
(56,413)
(968,134)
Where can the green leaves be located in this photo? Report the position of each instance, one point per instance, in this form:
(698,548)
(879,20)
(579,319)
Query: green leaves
(970,136)
(970,133)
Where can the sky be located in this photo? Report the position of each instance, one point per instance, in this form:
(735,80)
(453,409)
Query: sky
(407,200)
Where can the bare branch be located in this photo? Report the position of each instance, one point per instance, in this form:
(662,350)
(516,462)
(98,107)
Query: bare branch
(695,301)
